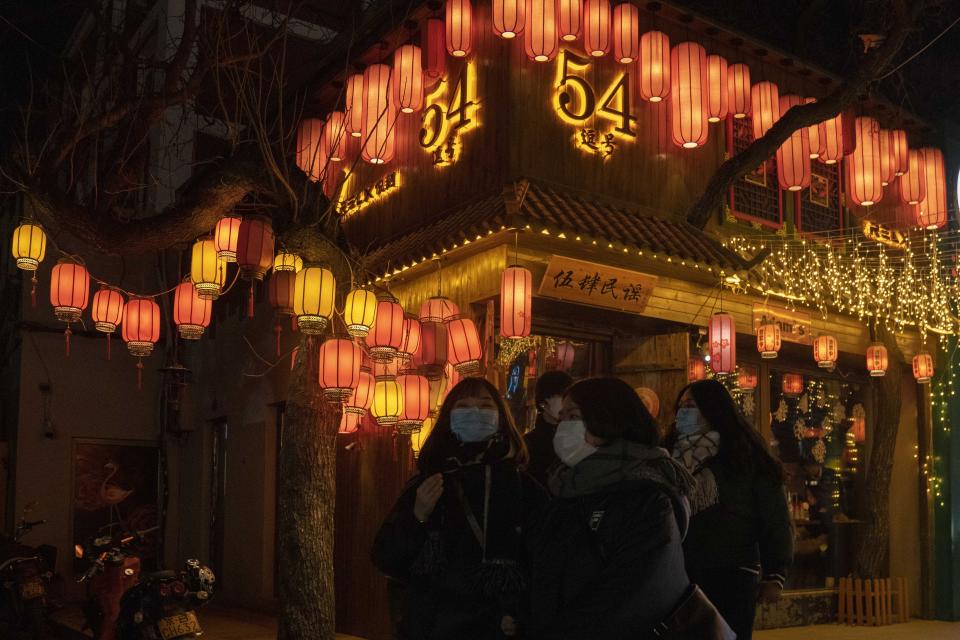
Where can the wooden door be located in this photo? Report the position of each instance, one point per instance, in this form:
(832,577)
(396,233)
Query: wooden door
(658,362)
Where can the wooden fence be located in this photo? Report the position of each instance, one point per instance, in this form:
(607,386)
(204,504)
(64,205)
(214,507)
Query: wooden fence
(873,602)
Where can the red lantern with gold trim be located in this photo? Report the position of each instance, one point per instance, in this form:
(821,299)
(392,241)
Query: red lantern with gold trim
(362,395)
(141,326)
(69,290)
(379,115)
(717,94)
(412,336)
(226,236)
(688,95)
(540,40)
(768,341)
(516,289)
(626,33)
(863,165)
(653,67)
(596,27)
(255,247)
(722,335)
(877,360)
(459,23)
(933,208)
(738,90)
(408,78)
(825,351)
(765,107)
(900,151)
(339,368)
(354,102)
(507,18)
(416,402)
(386,334)
(923,367)
(792,384)
(793,156)
(463,346)
(438,309)
(569,19)
(107,309)
(747,377)
(913,183)
(191,313)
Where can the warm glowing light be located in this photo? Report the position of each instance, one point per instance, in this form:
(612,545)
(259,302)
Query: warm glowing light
(226,236)
(830,136)
(747,377)
(516,291)
(255,247)
(362,395)
(792,384)
(339,368)
(354,105)
(696,370)
(540,40)
(334,136)
(434,52)
(863,165)
(913,183)
(432,356)
(825,351)
(626,33)
(933,208)
(793,156)
(379,116)
(207,272)
(438,309)
(310,157)
(29,246)
(410,344)
(923,367)
(877,360)
(287,262)
(654,66)
(722,335)
(596,27)
(507,18)
(416,402)
(408,78)
(314,291)
(765,107)
(459,23)
(69,290)
(813,134)
(386,333)
(107,309)
(888,159)
(900,149)
(463,347)
(717,93)
(360,312)
(738,90)
(387,402)
(688,95)
(191,313)
(569,19)
(141,326)
(768,340)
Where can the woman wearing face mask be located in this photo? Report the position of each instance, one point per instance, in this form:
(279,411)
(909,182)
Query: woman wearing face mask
(549,398)
(454,537)
(606,557)
(740,540)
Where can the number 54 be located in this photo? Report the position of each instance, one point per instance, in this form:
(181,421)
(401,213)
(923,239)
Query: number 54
(577,100)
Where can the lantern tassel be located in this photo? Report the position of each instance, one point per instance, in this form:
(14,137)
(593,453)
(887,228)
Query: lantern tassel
(250,302)
(140,375)
(108,346)
(66,336)
(33,290)
(278,330)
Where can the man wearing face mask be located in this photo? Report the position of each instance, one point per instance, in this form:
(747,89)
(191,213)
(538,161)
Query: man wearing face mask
(548,395)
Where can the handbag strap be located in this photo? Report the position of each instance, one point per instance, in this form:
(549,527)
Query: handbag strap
(479,533)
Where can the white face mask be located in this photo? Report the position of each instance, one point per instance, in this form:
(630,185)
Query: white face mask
(569,442)
(551,409)
(690,421)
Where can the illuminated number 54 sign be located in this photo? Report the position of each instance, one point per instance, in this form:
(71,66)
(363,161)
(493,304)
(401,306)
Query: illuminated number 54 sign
(446,119)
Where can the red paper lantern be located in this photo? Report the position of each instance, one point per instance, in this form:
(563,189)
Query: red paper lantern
(738,90)
(334,136)
(310,157)
(825,351)
(877,360)
(933,208)
(813,134)
(888,158)
(432,356)
(191,313)
(566,353)
(69,290)
(516,289)
(793,156)
(362,395)
(830,136)
(863,165)
(438,309)
(626,33)
(540,36)
(412,335)
(107,309)
(226,236)
(459,16)
(913,183)
(354,102)
(765,107)
(688,95)
(696,370)
(747,377)
(386,334)
(386,369)
(569,19)
(717,93)
(141,326)
(923,367)
(434,52)
(792,384)
(281,291)
(900,149)
(768,341)
(654,66)
(463,346)
(722,335)
(596,27)
(349,423)
(339,366)
(416,402)
(453,378)
(379,116)
(408,78)
(255,247)
(507,18)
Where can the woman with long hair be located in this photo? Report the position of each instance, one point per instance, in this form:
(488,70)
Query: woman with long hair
(454,536)
(741,539)
(606,556)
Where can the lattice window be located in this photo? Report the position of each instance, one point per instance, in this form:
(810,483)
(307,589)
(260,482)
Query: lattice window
(819,207)
(756,196)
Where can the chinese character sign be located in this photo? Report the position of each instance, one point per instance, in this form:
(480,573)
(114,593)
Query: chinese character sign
(595,284)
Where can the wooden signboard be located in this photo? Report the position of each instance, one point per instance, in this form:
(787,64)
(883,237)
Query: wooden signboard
(795,326)
(597,284)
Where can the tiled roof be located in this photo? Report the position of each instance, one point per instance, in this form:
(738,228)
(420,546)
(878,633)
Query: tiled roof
(557,210)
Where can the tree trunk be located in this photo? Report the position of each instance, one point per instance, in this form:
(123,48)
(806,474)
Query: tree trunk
(306,505)
(872,558)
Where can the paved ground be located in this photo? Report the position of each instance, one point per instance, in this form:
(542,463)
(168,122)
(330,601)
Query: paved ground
(917,630)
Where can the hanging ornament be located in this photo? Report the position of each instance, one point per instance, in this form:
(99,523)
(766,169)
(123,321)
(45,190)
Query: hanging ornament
(438,309)
(877,360)
(386,333)
(654,66)
(626,33)
(416,402)
(140,330)
(309,148)
(825,351)
(596,27)
(747,377)
(434,52)
(696,370)
(913,183)
(408,78)
(281,293)
(287,262)
(314,291)
(569,19)
(410,344)
(768,340)
(432,355)
(717,93)
(792,386)
(379,116)
(900,151)
(107,312)
(793,156)
(339,368)
(923,367)
(360,312)
(933,208)
(722,336)
(738,90)
(255,247)
(888,158)
(765,107)
(334,136)
(225,237)
(362,395)
(507,18)
(516,289)
(69,293)
(459,23)
(207,272)
(813,134)
(688,95)
(463,346)
(191,313)
(387,404)
(863,165)
(353,123)
(540,35)
(29,246)
(830,136)
(418,439)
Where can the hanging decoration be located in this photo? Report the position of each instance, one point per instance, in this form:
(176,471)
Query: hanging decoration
(540,40)
(438,309)
(877,360)
(825,351)
(913,183)
(516,290)
(29,246)
(933,208)
(765,107)
(888,158)
(596,27)
(225,237)
(69,293)
(191,313)
(362,395)
(900,151)
(255,247)
(569,19)
(309,148)
(314,292)
(747,377)
(459,23)
(830,135)
(722,336)
(696,370)
(107,312)
(626,33)
(387,404)
(923,367)
(507,18)
(416,402)
(768,341)
(207,272)
(140,330)
(654,66)
(379,116)
(738,90)
(863,165)
(717,93)
(565,352)
(281,292)
(410,344)
(360,312)
(813,134)
(386,334)
(434,52)
(792,384)
(793,156)
(432,355)
(287,262)
(334,136)
(339,368)
(354,105)
(408,78)
(464,348)
(688,95)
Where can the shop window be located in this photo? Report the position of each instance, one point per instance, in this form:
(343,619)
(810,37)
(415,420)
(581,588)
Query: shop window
(818,424)
(756,196)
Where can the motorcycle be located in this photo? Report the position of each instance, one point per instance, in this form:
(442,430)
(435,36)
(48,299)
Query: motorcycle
(162,606)
(25,573)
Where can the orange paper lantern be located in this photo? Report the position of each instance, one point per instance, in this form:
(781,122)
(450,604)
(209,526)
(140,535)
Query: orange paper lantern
(768,340)
(432,356)
(569,19)
(825,351)
(386,334)
(888,158)
(913,183)
(107,309)
(354,109)
(438,309)
(379,116)
(722,335)
(863,165)
(792,384)
(654,66)
(877,360)
(626,33)
(255,247)
(923,367)
(688,95)
(141,326)
(434,52)
(516,289)
(830,136)
(793,156)
(459,23)
(349,423)
(416,402)
(334,136)
(717,93)
(507,18)
(412,335)
(408,78)
(225,238)
(596,27)
(813,133)
(900,151)
(696,369)
(191,313)
(933,208)
(310,157)
(540,36)
(69,290)
(765,107)
(738,90)
(362,395)
(339,368)
(747,377)
(463,346)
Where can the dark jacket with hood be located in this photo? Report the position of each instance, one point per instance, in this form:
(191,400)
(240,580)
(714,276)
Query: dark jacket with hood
(462,570)
(606,558)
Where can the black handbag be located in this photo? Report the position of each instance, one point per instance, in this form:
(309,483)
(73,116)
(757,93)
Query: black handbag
(694,619)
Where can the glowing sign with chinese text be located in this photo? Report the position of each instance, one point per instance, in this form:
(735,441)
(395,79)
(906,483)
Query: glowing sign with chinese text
(351,203)
(596,284)
(447,117)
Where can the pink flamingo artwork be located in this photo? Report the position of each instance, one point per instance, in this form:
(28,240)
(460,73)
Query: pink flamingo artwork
(111,494)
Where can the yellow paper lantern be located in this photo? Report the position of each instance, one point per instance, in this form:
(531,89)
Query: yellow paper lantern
(29,246)
(225,236)
(287,262)
(360,312)
(387,402)
(207,272)
(417,439)
(314,293)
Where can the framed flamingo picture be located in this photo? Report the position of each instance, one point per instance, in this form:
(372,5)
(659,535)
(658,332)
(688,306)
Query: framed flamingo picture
(116,489)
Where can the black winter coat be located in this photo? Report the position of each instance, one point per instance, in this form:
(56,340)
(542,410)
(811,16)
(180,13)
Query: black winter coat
(616,581)
(447,593)
(539,443)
